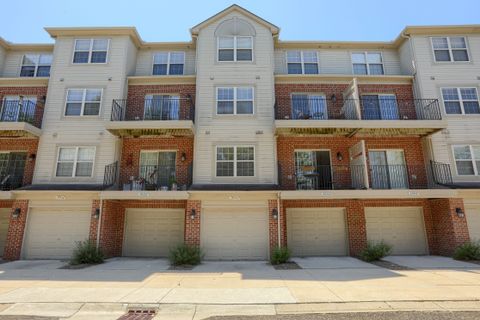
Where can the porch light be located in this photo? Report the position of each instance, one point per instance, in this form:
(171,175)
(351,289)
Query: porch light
(184,156)
(96,214)
(459,212)
(32,156)
(16,213)
(193,213)
(339,156)
(333,98)
(275,213)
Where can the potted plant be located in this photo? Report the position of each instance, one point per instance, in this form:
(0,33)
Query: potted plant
(173,184)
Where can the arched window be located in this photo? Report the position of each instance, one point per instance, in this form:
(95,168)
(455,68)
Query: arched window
(235,40)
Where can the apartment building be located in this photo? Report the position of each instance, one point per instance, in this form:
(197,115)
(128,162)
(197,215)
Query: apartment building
(239,142)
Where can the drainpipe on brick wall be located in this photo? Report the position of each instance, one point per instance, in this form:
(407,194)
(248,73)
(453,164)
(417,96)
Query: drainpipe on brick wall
(278,221)
(99,223)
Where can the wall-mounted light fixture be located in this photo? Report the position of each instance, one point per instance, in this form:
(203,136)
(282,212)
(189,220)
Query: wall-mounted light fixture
(460,212)
(275,213)
(193,213)
(32,156)
(96,214)
(339,156)
(183,157)
(333,97)
(16,213)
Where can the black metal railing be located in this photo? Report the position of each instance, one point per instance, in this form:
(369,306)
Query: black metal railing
(330,177)
(158,177)
(441,173)
(398,177)
(110,176)
(10,182)
(19,111)
(168,108)
(378,108)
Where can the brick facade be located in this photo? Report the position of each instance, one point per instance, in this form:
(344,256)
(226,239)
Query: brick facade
(136,99)
(16,230)
(39,92)
(286,146)
(192,226)
(130,163)
(27,145)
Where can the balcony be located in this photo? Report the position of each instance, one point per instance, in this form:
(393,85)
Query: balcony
(20,118)
(12,170)
(371,115)
(166,115)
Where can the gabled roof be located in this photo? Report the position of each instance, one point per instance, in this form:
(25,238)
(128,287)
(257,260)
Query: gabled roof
(235,8)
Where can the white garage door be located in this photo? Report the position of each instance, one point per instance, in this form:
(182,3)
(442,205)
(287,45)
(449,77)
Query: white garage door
(235,233)
(52,233)
(316,231)
(152,232)
(4,221)
(401,227)
(473,221)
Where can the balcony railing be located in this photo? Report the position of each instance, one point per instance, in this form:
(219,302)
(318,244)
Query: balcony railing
(397,177)
(110,176)
(321,108)
(168,108)
(330,177)
(21,111)
(441,173)
(158,178)
(11,182)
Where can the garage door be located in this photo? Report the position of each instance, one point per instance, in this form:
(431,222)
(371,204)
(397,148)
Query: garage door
(235,233)
(473,221)
(152,232)
(316,231)
(402,227)
(52,233)
(4,220)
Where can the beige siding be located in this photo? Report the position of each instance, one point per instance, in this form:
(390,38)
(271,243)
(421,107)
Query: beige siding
(145,61)
(3,54)
(234,130)
(13,62)
(59,130)
(431,77)
(338,61)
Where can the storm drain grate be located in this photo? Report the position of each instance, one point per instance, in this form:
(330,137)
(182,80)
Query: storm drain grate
(138,314)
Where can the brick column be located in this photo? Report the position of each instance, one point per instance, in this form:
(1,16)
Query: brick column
(273,225)
(16,230)
(449,229)
(192,227)
(111,228)
(356,226)
(93,221)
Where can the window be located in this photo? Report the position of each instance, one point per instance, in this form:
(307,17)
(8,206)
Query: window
(460,100)
(36,65)
(165,63)
(467,159)
(302,62)
(90,51)
(158,167)
(235,100)
(75,161)
(235,161)
(235,48)
(83,102)
(161,107)
(447,49)
(367,63)
(309,106)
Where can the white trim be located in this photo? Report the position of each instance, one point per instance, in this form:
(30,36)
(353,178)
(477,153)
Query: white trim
(82,108)
(460,100)
(367,64)
(234,48)
(450,50)
(235,160)
(302,60)
(168,62)
(75,161)
(90,50)
(235,100)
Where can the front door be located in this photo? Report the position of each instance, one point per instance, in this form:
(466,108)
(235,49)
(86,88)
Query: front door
(388,169)
(12,167)
(158,168)
(313,170)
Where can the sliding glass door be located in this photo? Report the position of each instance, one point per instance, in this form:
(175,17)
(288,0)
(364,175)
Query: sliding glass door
(388,169)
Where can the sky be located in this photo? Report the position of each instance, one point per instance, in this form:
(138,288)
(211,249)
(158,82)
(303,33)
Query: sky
(361,20)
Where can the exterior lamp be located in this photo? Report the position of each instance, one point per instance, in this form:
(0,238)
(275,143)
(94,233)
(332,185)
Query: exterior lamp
(275,213)
(96,214)
(193,213)
(16,213)
(333,98)
(339,156)
(459,212)
(184,157)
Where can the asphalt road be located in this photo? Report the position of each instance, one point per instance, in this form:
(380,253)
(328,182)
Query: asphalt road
(366,316)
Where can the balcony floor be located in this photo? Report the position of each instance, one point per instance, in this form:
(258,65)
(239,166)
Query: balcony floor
(18,129)
(150,127)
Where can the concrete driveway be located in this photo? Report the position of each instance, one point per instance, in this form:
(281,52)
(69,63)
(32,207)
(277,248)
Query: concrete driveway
(322,280)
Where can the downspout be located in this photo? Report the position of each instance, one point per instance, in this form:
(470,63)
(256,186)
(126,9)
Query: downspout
(278,221)
(99,223)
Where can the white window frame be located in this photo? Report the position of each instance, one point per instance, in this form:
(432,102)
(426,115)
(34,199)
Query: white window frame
(235,100)
(302,61)
(234,49)
(235,160)
(83,102)
(365,53)
(168,62)
(90,50)
(472,160)
(37,64)
(461,100)
(75,161)
(450,50)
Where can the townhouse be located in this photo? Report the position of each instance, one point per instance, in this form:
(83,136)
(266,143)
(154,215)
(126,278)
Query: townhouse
(239,142)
